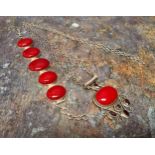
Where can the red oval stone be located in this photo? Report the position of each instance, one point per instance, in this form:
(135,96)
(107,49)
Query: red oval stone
(24,42)
(106,95)
(31,52)
(38,64)
(47,77)
(56,92)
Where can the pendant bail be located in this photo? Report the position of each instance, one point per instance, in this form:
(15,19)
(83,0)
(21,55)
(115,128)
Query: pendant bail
(92,83)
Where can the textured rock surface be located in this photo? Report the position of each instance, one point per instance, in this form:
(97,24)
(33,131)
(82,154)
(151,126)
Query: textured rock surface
(26,112)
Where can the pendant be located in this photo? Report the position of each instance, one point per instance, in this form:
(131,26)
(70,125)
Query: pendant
(107,98)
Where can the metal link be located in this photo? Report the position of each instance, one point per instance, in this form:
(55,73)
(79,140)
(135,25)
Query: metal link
(69,115)
(89,43)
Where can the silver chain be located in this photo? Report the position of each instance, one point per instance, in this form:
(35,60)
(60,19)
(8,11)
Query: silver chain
(90,43)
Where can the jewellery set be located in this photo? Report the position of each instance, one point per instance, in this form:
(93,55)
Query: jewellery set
(106,97)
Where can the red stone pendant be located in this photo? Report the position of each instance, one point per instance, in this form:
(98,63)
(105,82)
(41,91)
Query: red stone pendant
(24,42)
(31,52)
(38,64)
(106,96)
(47,77)
(56,92)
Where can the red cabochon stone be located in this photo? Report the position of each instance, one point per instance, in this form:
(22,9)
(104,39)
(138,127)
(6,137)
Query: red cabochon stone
(38,64)
(24,42)
(56,92)
(47,77)
(31,52)
(106,95)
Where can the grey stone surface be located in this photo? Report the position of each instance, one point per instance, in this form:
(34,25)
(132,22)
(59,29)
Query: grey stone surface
(26,112)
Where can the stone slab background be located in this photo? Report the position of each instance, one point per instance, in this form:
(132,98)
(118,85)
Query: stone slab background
(26,112)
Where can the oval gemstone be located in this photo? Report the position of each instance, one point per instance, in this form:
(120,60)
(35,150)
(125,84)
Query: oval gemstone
(56,92)
(47,77)
(106,95)
(39,64)
(31,52)
(24,42)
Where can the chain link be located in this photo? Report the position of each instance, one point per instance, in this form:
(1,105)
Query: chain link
(69,115)
(83,41)
(89,43)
